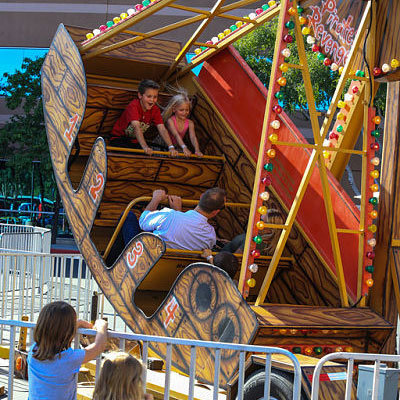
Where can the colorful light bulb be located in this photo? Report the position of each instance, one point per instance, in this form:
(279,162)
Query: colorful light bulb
(373,201)
(291,11)
(284,67)
(374,187)
(377,120)
(374,174)
(310,39)
(277,109)
(372,228)
(305,30)
(334,67)
(375,161)
(370,255)
(271,153)
(288,38)
(260,225)
(273,138)
(253,268)
(372,242)
(262,210)
(369,268)
(89,35)
(281,81)
(255,253)
(395,63)
(257,239)
(302,20)
(264,196)
(251,282)
(275,124)
(369,282)
(286,52)
(373,214)
(385,68)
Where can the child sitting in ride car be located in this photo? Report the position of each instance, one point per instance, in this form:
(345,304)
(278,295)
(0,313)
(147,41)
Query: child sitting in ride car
(140,113)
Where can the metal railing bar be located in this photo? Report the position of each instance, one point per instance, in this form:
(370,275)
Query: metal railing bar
(145,356)
(349,379)
(242,358)
(267,379)
(192,372)
(375,386)
(167,381)
(11,364)
(217,365)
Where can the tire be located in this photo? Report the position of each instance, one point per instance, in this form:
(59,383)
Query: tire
(281,387)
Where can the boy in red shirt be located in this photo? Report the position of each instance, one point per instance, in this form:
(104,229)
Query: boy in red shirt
(136,119)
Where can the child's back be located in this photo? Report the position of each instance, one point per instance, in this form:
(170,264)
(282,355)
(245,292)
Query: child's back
(54,379)
(52,363)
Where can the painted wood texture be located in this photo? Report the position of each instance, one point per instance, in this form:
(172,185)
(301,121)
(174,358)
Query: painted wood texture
(203,302)
(151,50)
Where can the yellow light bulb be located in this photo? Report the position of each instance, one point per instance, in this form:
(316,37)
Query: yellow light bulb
(273,137)
(260,225)
(251,282)
(262,210)
(284,67)
(374,174)
(271,153)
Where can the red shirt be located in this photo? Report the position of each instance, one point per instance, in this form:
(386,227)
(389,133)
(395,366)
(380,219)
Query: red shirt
(134,112)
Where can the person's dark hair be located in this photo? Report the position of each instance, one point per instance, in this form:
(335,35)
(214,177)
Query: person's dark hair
(54,331)
(212,199)
(228,262)
(147,84)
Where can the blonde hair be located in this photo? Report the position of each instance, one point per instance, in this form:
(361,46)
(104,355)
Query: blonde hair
(54,330)
(120,378)
(175,101)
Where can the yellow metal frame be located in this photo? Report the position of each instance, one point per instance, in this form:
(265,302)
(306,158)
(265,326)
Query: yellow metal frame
(316,156)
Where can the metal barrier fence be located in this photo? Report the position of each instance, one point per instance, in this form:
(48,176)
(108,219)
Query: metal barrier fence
(351,357)
(172,343)
(28,281)
(25,238)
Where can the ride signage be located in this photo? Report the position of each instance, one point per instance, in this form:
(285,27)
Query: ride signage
(334,33)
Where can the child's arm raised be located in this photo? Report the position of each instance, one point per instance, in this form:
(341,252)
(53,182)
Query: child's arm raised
(193,139)
(96,348)
(177,136)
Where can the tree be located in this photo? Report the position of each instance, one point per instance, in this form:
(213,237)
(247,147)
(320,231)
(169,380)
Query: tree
(23,139)
(257,49)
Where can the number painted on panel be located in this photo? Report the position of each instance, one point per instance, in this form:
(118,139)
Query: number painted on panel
(133,256)
(72,123)
(171,308)
(96,188)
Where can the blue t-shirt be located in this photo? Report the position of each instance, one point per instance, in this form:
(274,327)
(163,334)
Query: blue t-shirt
(54,379)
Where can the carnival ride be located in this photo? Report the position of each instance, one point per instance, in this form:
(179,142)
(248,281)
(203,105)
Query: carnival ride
(321,259)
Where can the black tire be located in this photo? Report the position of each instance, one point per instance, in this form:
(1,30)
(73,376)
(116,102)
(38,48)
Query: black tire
(281,387)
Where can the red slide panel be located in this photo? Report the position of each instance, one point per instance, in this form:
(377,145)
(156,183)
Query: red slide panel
(240,97)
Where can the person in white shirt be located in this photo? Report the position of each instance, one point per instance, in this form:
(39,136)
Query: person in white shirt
(188,230)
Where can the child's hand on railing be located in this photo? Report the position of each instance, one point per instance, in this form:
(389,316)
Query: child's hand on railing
(186,151)
(199,153)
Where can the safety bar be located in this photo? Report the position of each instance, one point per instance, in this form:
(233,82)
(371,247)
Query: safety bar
(165,153)
(148,198)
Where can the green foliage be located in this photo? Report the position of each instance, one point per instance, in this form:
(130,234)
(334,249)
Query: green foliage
(23,138)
